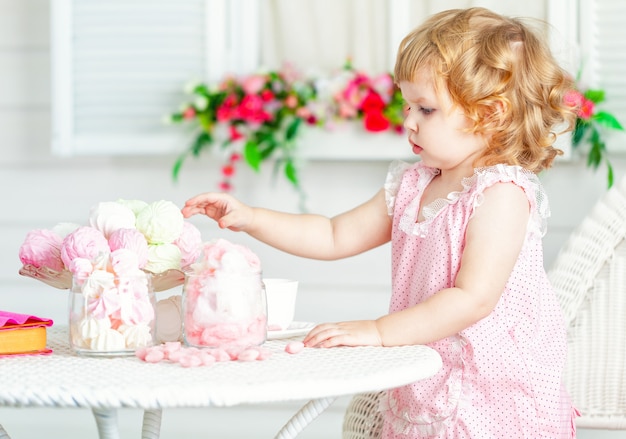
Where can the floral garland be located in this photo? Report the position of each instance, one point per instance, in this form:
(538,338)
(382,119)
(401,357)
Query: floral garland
(590,124)
(259,117)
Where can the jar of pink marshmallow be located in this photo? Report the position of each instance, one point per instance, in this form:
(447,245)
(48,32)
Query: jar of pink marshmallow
(222,309)
(111,314)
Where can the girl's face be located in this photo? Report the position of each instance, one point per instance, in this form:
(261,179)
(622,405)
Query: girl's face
(436,130)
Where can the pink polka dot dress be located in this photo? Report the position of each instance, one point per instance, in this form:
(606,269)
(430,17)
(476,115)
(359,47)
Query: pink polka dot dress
(501,377)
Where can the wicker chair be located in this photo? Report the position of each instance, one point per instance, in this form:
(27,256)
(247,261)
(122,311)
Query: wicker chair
(362,419)
(589,276)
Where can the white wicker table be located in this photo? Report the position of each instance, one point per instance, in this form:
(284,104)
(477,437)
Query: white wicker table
(104,385)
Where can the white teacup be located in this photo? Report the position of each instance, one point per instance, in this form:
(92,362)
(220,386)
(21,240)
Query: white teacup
(281,302)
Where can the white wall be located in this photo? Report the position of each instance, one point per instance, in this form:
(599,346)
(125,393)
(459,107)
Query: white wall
(38,190)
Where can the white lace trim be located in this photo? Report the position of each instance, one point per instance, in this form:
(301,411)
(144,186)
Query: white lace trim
(427,424)
(395,172)
(480,180)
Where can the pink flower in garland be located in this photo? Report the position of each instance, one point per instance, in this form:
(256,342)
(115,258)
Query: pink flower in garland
(253,84)
(261,115)
(251,110)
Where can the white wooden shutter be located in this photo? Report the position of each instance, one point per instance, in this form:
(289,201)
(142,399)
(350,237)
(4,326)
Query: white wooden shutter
(120,66)
(603,53)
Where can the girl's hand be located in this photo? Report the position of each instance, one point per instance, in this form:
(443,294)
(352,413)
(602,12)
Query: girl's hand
(354,333)
(225,209)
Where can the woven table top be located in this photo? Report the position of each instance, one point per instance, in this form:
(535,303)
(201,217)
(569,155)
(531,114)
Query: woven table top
(65,379)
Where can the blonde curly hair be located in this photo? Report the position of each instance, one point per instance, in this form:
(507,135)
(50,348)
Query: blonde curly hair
(501,74)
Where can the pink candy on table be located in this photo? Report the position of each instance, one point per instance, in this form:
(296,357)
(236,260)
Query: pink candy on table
(175,352)
(294,347)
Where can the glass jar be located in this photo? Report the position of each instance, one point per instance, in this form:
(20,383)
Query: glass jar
(111,315)
(224,309)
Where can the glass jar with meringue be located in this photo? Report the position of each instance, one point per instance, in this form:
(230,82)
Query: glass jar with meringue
(111,314)
(224,301)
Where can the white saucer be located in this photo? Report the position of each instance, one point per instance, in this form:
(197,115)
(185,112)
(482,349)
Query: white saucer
(295,329)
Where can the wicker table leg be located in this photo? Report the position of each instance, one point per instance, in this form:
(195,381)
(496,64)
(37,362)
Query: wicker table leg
(106,420)
(304,417)
(3,433)
(151,424)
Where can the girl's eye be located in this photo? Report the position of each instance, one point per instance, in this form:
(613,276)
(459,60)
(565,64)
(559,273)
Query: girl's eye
(426,111)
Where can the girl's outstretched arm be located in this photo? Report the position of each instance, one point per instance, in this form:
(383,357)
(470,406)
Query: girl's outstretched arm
(306,235)
(493,241)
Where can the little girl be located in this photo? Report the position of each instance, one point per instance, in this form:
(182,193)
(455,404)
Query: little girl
(483,96)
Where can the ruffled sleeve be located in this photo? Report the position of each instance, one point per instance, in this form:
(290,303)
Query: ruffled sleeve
(528,181)
(392,183)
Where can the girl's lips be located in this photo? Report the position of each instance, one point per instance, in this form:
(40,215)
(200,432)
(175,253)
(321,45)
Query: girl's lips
(416,149)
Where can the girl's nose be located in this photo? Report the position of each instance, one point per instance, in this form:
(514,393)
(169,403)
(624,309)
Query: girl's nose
(410,124)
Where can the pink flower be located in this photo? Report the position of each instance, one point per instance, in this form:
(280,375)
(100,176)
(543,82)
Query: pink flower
(253,84)
(42,248)
(291,101)
(383,85)
(84,242)
(586,109)
(228,110)
(573,98)
(251,110)
(189,113)
(584,106)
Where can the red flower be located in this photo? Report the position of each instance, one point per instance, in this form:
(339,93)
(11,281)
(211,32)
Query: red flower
(228,109)
(372,102)
(267,95)
(375,121)
(235,157)
(251,109)
(225,186)
(228,170)
(234,134)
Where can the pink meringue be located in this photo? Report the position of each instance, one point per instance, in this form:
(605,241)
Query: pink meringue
(131,239)
(42,248)
(84,242)
(190,244)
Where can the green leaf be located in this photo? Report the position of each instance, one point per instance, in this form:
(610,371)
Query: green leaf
(579,131)
(203,141)
(252,155)
(178,165)
(609,174)
(607,120)
(292,129)
(594,158)
(291,173)
(596,96)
